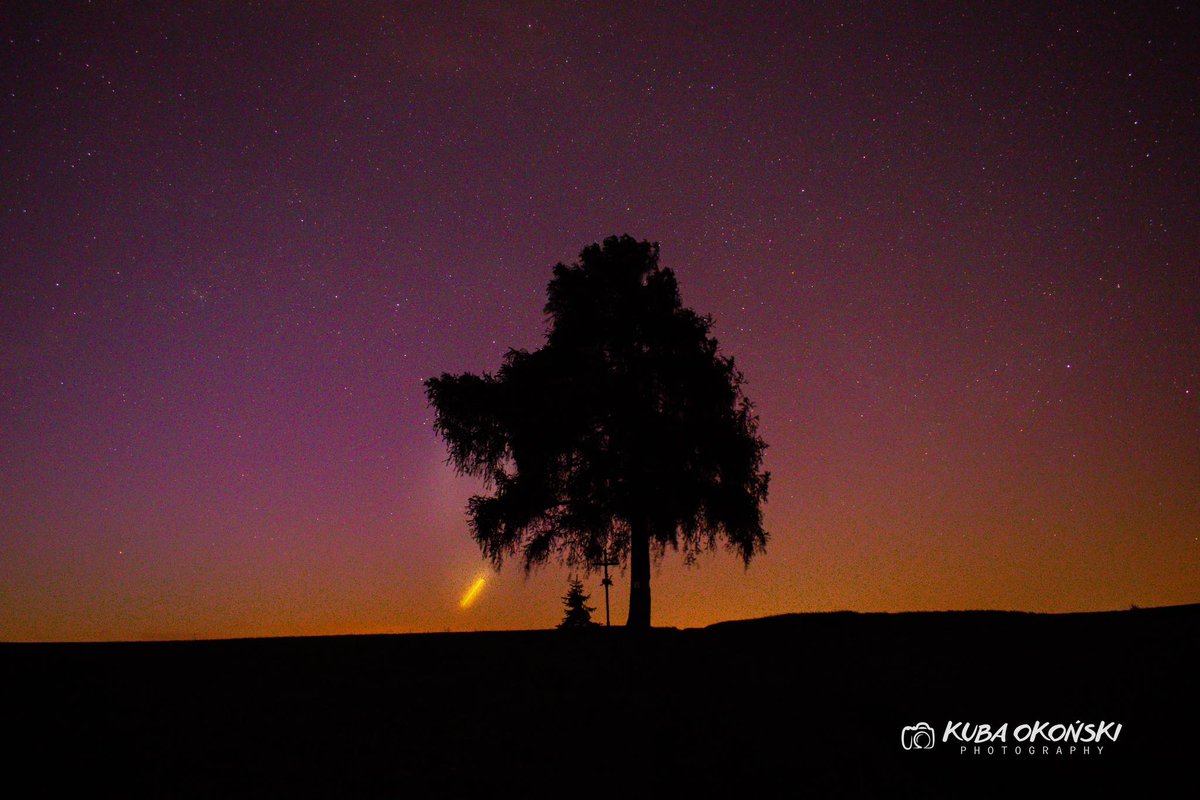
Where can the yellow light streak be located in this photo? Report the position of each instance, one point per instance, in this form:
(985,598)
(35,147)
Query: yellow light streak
(472,593)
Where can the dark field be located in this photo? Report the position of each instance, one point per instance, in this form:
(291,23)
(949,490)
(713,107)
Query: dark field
(805,705)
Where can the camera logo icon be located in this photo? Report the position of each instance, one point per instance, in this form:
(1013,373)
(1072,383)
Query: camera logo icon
(918,737)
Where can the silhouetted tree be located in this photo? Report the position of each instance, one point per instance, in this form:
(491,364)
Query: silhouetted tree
(627,429)
(579,613)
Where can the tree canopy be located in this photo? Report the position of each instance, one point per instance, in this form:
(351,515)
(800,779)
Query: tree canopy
(627,430)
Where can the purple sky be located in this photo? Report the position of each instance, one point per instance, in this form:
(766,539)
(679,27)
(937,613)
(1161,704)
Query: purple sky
(954,249)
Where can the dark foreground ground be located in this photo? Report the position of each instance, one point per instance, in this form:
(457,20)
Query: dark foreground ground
(795,706)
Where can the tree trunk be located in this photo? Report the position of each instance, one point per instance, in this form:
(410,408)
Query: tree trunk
(639,569)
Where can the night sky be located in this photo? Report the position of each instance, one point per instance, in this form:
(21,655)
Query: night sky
(954,250)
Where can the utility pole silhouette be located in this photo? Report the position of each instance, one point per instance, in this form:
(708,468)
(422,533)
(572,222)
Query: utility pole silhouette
(607,582)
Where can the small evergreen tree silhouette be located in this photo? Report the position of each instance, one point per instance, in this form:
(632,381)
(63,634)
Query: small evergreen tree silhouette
(579,613)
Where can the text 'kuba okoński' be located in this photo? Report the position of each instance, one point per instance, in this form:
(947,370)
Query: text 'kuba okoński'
(1027,738)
